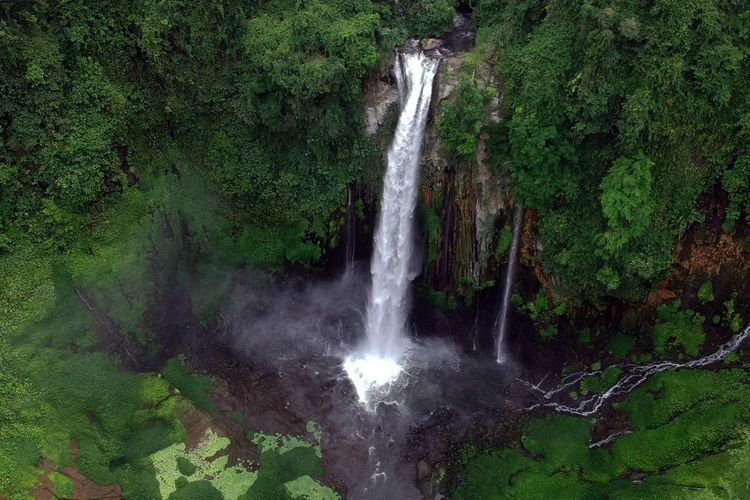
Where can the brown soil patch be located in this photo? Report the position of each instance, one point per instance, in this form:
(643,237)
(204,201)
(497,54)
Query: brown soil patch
(196,422)
(708,259)
(660,295)
(83,489)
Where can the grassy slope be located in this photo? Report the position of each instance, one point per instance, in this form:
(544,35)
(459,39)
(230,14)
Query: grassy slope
(55,388)
(689,439)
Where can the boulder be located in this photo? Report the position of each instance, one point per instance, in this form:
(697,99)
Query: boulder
(431,43)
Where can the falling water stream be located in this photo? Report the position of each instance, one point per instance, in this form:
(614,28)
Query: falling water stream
(501,323)
(379,359)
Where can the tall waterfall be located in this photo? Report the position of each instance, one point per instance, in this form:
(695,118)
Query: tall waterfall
(501,323)
(379,360)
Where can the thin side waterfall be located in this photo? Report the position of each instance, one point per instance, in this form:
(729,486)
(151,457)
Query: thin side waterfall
(350,235)
(501,323)
(378,362)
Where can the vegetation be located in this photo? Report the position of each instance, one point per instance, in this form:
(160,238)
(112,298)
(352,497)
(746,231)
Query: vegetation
(618,116)
(544,311)
(681,328)
(153,154)
(698,418)
(463,117)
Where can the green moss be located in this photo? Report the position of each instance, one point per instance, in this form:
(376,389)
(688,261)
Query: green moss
(441,298)
(207,460)
(197,490)
(597,385)
(431,229)
(62,486)
(706,292)
(620,345)
(503,242)
(690,429)
(185,466)
(193,387)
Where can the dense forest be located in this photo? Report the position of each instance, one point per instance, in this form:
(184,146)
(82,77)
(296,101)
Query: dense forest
(162,162)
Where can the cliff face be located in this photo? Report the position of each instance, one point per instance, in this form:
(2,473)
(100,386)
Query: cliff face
(465,205)
(469,197)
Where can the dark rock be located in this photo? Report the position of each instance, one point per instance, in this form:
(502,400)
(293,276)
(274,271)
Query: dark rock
(423,470)
(462,37)
(431,43)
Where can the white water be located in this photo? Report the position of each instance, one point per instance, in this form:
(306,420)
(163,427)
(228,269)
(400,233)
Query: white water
(379,360)
(501,323)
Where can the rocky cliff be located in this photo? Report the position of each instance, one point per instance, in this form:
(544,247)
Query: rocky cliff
(465,204)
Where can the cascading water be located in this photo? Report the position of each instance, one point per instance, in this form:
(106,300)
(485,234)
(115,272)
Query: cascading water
(501,323)
(378,361)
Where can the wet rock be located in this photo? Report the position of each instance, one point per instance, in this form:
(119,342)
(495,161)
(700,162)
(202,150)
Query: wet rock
(424,470)
(431,44)
(462,36)
(380,97)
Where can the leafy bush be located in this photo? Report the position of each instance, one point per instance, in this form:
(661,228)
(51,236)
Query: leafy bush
(626,200)
(679,328)
(543,311)
(185,466)
(503,242)
(599,384)
(620,345)
(462,119)
(706,292)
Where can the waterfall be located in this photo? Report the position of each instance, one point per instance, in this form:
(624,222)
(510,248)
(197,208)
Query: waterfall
(378,361)
(350,234)
(501,323)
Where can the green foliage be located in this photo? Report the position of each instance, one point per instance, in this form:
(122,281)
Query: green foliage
(440,298)
(544,312)
(706,293)
(276,90)
(503,242)
(599,384)
(197,489)
(62,485)
(423,18)
(732,318)
(698,418)
(289,466)
(627,202)
(678,328)
(463,117)
(735,182)
(430,223)
(185,466)
(193,387)
(620,345)
(618,116)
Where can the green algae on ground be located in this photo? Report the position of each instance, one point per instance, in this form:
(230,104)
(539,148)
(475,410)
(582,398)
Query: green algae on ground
(688,436)
(230,481)
(288,468)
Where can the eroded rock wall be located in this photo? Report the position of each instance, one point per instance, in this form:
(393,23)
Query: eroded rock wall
(464,203)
